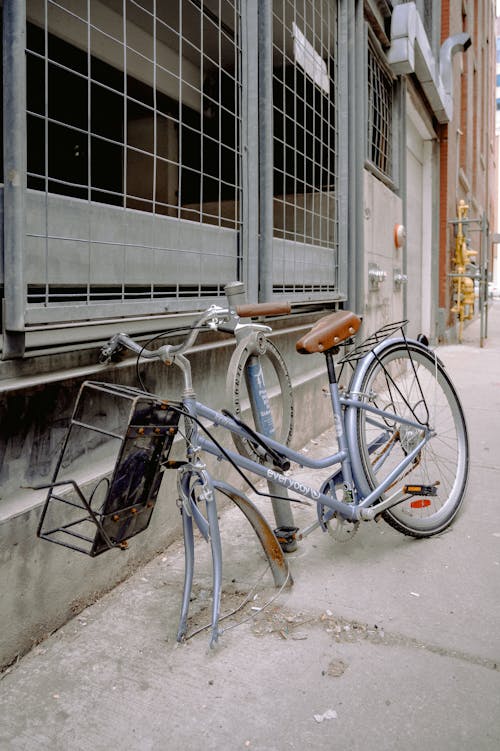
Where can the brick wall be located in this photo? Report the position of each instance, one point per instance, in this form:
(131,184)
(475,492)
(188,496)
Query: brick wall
(467,143)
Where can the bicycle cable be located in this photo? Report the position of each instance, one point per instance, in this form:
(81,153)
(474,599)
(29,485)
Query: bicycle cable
(185,413)
(161,335)
(242,604)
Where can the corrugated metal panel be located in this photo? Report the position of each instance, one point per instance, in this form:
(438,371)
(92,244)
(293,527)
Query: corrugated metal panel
(85,258)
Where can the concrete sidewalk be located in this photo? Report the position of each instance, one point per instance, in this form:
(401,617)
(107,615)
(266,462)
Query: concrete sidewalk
(383,642)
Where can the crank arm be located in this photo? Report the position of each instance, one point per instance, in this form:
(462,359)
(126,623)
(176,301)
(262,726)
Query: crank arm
(407,491)
(369,514)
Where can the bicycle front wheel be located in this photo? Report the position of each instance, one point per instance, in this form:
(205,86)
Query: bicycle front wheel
(408,381)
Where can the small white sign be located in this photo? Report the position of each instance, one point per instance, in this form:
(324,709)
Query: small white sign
(310,60)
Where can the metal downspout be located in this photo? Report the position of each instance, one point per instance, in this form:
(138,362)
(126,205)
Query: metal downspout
(356,150)
(436,234)
(485,224)
(403,192)
(483,282)
(14,150)
(249,250)
(266,150)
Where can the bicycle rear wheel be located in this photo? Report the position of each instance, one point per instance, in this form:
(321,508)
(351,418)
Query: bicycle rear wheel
(408,380)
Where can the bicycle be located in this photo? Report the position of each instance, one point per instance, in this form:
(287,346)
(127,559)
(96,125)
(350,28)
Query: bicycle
(402,450)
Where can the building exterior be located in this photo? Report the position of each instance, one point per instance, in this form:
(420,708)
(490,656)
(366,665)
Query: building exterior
(468,155)
(154,151)
(495,271)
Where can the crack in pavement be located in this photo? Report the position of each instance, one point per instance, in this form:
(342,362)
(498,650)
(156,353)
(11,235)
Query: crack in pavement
(284,623)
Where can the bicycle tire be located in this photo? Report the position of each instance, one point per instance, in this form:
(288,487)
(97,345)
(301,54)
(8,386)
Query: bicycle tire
(444,459)
(269,356)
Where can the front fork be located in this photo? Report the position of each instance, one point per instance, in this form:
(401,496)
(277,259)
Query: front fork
(195,485)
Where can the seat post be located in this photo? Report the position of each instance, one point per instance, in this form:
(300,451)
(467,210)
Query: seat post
(332,376)
(338,422)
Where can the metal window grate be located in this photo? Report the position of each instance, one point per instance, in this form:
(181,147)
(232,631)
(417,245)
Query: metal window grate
(326,290)
(134,123)
(379,136)
(306,238)
(38,295)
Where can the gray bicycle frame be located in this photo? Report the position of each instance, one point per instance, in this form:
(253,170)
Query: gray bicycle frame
(361,500)
(348,456)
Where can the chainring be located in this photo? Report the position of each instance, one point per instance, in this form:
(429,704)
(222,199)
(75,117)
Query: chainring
(342,530)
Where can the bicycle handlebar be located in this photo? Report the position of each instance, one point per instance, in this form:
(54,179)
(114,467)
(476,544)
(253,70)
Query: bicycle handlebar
(263,309)
(215,317)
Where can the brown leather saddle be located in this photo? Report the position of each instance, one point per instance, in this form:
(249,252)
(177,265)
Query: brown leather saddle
(329,332)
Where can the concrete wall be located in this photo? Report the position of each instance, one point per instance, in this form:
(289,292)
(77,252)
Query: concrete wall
(382,211)
(43,585)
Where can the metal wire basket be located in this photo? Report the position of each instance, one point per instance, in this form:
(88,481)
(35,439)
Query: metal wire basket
(129,433)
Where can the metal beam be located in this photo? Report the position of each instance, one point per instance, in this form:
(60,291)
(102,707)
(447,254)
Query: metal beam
(14,147)
(266,150)
(356,127)
(250,150)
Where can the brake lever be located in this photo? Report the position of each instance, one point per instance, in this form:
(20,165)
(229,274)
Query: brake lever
(110,350)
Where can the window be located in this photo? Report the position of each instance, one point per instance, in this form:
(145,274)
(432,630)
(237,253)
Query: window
(133,105)
(380,114)
(138,160)
(305,145)
(145,116)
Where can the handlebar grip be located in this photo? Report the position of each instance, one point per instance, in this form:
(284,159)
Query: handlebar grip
(263,309)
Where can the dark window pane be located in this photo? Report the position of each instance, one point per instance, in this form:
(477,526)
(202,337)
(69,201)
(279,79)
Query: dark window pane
(106,109)
(67,55)
(106,165)
(36,147)
(35,38)
(67,157)
(35,84)
(67,97)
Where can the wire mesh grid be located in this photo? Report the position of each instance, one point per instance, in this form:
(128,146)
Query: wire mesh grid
(133,105)
(305,144)
(379,110)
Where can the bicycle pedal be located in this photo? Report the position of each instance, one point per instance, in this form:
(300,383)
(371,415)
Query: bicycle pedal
(420,490)
(287,538)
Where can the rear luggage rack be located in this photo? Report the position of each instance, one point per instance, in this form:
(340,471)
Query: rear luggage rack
(360,350)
